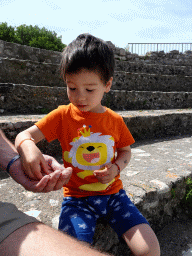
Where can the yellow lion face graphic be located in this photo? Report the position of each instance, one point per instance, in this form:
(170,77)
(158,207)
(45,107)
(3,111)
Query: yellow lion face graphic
(91,154)
(91,151)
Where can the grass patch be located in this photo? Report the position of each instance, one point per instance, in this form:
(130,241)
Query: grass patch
(42,110)
(186,202)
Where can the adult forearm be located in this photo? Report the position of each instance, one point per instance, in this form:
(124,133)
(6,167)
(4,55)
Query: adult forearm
(7,151)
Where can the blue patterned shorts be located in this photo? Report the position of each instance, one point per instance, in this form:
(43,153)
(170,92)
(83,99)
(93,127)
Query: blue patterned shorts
(79,215)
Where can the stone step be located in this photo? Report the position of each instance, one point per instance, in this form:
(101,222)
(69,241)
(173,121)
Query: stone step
(46,74)
(158,58)
(30,72)
(24,52)
(26,99)
(161,69)
(30,99)
(155,180)
(144,125)
(141,100)
(151,82)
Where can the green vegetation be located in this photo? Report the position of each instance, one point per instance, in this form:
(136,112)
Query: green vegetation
(31,36)
(187,199)
(173,192)
(42,110)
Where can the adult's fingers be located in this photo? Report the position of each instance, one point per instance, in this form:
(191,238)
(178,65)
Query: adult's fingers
(58,179)
(53,179)
(64,178)
(37,186)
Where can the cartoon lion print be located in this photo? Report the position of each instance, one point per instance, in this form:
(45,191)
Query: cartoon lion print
(89,152)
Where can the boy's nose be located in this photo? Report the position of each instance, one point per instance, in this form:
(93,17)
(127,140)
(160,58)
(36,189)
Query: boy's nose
(81,95)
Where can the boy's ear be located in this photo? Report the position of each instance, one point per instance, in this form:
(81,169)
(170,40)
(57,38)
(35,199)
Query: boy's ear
(108,85)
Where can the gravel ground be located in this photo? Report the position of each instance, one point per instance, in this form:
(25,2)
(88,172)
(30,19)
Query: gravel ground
(174,239)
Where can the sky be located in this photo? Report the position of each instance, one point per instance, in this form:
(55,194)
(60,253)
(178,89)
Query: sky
(118,21)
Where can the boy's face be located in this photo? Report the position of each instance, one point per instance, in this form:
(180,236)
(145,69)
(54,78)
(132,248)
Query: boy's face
(85,90)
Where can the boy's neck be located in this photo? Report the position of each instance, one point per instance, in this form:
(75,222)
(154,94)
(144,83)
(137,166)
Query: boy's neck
(102,109)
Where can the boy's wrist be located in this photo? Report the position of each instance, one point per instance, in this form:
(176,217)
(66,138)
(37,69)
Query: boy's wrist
(118,169)
(19,146)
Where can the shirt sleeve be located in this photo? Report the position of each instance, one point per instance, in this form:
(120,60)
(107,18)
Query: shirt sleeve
(125,138)
(51,125)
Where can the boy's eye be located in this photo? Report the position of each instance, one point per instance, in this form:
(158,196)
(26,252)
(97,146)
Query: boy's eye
(90,90)
(72,89)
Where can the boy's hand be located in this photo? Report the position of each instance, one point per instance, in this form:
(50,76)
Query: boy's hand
(33,162)
(107,174)
(58,177)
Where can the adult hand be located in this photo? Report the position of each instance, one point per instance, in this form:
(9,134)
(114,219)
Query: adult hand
(58,177)
(107,174)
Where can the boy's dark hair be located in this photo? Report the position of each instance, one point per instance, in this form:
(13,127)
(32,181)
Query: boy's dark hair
(91,53)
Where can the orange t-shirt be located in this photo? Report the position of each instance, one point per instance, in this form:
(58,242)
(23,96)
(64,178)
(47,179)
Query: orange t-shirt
(88,142)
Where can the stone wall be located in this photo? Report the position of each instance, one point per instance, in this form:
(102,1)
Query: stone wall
(159,68)
(142,126)
(151,82)
(28,99)
(137,84)
(155,202)
(128,76)
(174,57)
(17,51)
(23,52)
(29,72)
(156,71)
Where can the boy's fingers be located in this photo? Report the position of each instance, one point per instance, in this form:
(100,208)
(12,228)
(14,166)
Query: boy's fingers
(103,181)
(36,169)
(108,165)
(30,173)
(44,166)
(101,172)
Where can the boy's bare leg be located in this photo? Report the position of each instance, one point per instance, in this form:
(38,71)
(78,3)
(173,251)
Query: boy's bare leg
(39,239)
(142,241)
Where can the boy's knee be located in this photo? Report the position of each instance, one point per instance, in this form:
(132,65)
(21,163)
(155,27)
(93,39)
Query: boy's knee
(142,241)
(147,251)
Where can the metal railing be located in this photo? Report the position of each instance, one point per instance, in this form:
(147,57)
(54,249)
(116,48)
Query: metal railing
(143,48)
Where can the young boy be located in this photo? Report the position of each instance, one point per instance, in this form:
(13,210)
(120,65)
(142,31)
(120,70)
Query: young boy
(90,134)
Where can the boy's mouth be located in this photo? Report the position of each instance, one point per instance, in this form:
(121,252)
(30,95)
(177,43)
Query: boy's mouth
(81,106)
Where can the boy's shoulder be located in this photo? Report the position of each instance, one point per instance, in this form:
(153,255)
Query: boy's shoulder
(113,114)
(63,108)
